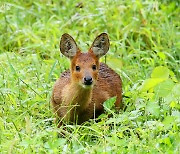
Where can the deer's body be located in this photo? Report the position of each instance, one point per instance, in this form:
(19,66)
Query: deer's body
(79,93)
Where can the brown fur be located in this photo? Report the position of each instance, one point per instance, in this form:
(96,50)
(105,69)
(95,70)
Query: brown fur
(74,103)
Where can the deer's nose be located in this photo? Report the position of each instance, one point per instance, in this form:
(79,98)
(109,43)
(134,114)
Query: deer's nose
(88,80)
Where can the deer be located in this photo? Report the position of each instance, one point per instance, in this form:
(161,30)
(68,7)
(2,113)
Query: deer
(78,95)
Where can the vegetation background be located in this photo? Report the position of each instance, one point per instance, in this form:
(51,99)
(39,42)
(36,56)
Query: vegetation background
(145,51)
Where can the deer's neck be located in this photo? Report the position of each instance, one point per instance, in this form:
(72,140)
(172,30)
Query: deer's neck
(78,95)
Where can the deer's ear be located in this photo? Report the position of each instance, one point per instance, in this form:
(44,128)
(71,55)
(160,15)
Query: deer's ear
(100,45)
(68,46)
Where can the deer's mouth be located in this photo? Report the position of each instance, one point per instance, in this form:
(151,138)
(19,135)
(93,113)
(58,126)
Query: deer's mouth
(87,83)
(88,80)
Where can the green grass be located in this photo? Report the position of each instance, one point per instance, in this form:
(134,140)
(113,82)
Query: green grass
(144,50)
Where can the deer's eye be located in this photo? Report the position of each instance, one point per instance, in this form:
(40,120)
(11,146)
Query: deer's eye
(94,67)
(77,68)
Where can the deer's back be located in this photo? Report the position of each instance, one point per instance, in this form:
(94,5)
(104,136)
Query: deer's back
(109,82)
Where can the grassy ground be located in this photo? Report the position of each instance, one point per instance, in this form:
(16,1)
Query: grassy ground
(144,50)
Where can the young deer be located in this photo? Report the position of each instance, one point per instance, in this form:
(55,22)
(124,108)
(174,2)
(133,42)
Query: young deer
(79,93)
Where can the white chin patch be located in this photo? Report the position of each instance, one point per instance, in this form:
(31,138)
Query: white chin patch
(86,86)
